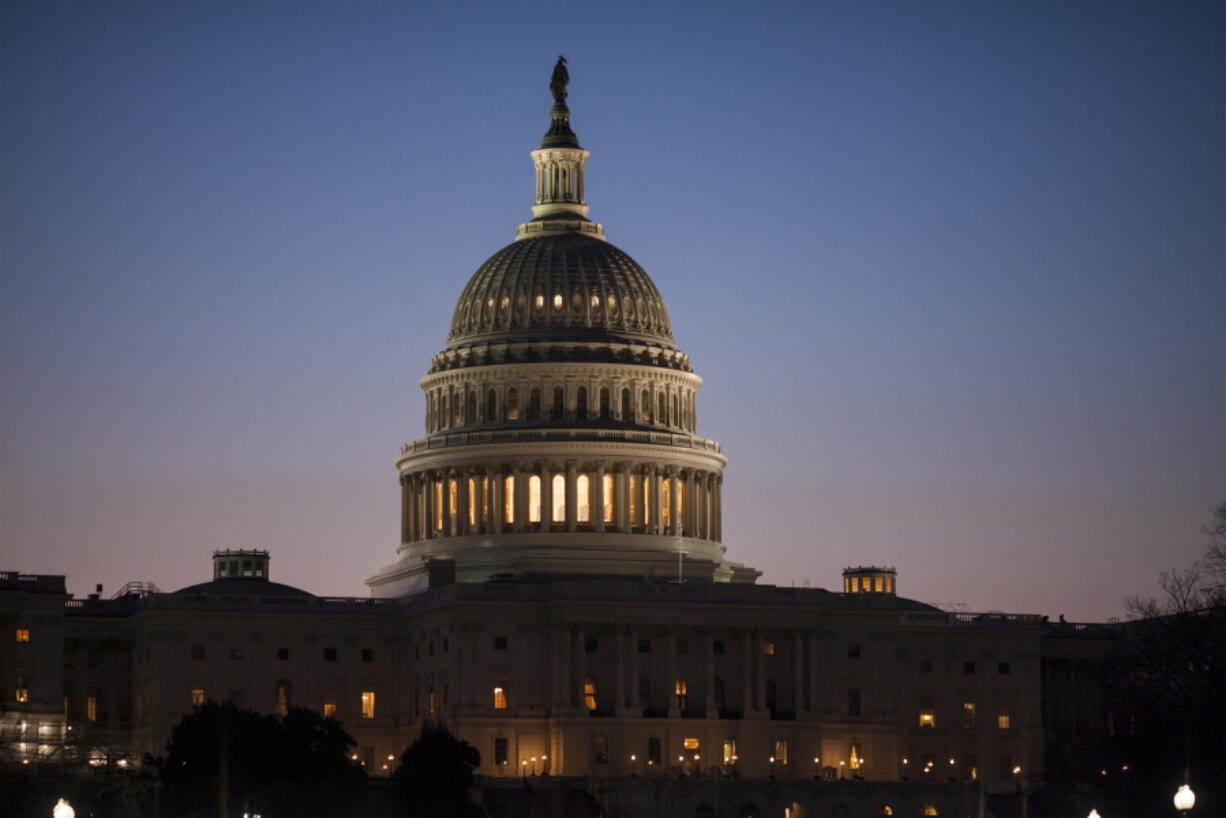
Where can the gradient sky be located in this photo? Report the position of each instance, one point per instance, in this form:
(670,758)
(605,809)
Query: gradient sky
(954,273)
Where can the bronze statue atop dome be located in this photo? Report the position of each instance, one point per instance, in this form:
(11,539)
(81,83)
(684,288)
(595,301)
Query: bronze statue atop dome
(559,80)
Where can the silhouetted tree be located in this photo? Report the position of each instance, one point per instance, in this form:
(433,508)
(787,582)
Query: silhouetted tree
(296,765)
(434,775)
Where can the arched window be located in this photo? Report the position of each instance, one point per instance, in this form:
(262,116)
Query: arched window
(470,414)
(645,407)
(583,498)
(284,699)
(512,408)
(676,417)
(491,406)
(666,504)
(581,403)
(438,504)
(662,409)
(534,499)
(472,501)
(626,418)
(534,404)
(681,690)
(453,504)
(431,410)
(508,498)
(929,809)
(605,409)
(500,697)
(445,413)
(607,487)
(557,489)
(589,693)
(457,407)
(559,403)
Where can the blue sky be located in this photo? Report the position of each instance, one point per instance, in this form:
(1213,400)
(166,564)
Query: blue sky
(954,273)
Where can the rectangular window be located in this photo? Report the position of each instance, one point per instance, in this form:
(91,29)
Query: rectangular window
(472,505)
(769,648)
(1003,721)
(22,693)
(591,644)
(431,702)
(665,504)
(236,653)
(968,715)
(368,654)
(91,708)
(329,710)
(654,750)
(690,743)
(500,698)
(680,689)
(1003,668)
(198,652)
(968,667)
(485,500)
(583,498)
(730,751)
(500,751)
(853,650)
(589,694)
(927,718)
(438,505)
(644,645)
(23,634)
(500,643)
(878,584)
(718,647)
(600,750)
(853,757)
(329,654)
(781,751)
(853,701)
(453,500)
(683,647)
(508,499)
(368,704)
(197,696)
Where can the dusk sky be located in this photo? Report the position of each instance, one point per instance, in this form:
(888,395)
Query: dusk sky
(954,273)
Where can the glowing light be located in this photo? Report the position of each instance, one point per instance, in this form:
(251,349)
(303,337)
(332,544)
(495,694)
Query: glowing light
(1185,799)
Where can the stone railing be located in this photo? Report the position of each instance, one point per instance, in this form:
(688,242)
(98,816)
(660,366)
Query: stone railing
(445,441)
(991,619)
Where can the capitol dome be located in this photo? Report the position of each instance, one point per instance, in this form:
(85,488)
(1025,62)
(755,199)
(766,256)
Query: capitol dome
(561,418)
(566,285)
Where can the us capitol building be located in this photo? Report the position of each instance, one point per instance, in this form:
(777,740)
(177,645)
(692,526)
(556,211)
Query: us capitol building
(561,596)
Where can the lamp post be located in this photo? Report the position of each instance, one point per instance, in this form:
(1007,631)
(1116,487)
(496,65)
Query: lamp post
(633,759)
(63,809)
(817,768)
(1185,799)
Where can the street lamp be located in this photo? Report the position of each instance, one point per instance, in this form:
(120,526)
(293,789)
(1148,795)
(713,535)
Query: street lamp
(63,809)
(1185,799)
(1093,814)
(817,767)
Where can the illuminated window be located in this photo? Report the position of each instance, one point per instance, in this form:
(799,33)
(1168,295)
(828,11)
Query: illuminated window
(884,809)
(681,504)
(368,704)
(22,693)
(500,698)
(453,497)
(558,499)
(769,648)
(690,743)
(534,499)
(878,584)
(329,710)
(431,702)
(91,708)
(968,715)
(23,634)
(583,497)
(508,498)
(928,809)
(781,751)
(646,501)
(1003,721)
(665,502)
(729,750)
(538,303)
(438,505)
(197,696)
(927,718)
(607,512)
(853,757)
(589,693)
(485,499)
(971,765)
(472,506)
(680,689)
(889,585)
(282,698)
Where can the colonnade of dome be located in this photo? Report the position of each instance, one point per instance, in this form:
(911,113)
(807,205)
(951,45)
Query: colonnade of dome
(628,497)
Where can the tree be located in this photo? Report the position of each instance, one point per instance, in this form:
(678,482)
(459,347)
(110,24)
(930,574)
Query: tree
(1171,687)
(296,765)
(434,775)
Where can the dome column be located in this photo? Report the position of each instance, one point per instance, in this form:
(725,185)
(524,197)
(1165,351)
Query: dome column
(462,502)
(572,507)
(653,527)
(674,495)
(428,518)
(546,495)
(598,504)
(498,488)
(621,495)
(519,497)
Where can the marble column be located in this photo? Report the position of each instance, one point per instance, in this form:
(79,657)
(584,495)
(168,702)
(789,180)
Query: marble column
(546,495)
(572,507)
(621,497)
(497,499)
(521,498)
(598,501)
